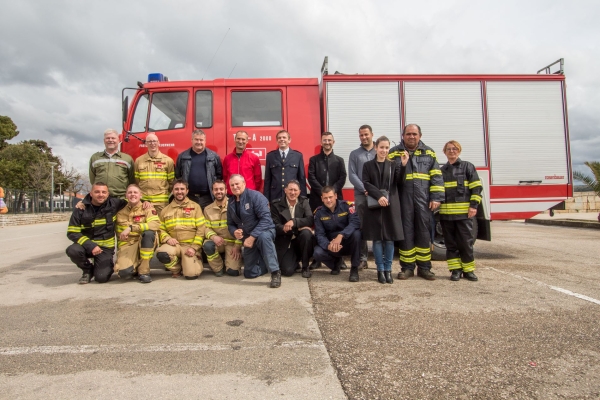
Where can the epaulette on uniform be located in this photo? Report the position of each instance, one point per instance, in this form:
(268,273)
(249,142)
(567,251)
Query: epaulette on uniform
(350,203)
(317,209)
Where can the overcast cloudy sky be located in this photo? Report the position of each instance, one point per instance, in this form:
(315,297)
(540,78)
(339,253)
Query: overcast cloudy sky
(63,63)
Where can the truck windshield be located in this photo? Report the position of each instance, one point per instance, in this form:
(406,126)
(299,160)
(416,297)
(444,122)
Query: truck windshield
(256,108)
(167,111)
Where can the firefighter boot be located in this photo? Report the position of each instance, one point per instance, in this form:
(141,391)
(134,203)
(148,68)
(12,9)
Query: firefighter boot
(276,279)
(145,278)
(126,273)
(426,274)
(470,276)
(405,274)
(456,273)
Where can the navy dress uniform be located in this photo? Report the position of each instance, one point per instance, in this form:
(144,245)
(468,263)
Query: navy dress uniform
(328,224)
(281,168)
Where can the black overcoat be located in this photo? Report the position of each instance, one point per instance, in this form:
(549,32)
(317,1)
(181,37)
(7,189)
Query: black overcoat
(384,223)
(318,167)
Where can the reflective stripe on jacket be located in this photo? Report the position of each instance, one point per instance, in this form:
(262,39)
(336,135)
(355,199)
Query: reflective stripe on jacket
(184,222)
(216,223)
(155,175)
(140,221)
(463,189)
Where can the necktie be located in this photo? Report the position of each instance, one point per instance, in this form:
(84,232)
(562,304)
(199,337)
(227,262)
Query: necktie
(282,156)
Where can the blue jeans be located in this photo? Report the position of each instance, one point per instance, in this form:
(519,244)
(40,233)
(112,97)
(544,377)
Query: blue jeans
(262,257)
(384,253)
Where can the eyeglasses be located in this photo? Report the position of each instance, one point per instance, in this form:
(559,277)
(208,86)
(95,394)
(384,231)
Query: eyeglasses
(451,149)
(151,141)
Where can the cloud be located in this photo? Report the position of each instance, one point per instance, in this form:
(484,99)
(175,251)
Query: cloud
(65,62)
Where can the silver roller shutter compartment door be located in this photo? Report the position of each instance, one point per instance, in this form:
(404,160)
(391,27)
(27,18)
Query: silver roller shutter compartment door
(352,104)
(527,133)
(448,111)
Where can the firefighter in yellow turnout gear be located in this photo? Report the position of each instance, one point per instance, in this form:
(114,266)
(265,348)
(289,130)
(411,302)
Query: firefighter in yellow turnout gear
(463,196)
(136,237)
(154,173)
(181,234)
(218,239)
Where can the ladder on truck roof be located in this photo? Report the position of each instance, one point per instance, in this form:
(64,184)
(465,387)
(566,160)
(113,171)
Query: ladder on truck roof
(561,70)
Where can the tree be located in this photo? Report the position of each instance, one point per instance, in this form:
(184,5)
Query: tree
(8,130)
(593,182)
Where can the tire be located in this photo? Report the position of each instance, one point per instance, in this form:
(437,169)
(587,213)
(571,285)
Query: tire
(438,252)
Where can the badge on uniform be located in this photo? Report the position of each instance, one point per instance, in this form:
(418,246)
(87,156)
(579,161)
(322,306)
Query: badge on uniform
(247,206)
(154,212)
(188,211)
(137,218)
(159,165)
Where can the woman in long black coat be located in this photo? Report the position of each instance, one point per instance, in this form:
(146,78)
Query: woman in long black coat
(383,225)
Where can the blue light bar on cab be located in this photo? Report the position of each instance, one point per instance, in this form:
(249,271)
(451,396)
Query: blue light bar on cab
(156,77)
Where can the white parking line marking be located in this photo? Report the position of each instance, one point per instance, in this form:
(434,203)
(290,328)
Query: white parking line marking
(558,289)
(152,348)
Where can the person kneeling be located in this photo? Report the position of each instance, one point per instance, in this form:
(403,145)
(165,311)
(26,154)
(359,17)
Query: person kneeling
(249,220)
(181,234)
(337,230)
(293,220)
(136,232)
(218,239)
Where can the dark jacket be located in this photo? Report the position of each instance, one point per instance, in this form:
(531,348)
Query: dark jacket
(255,217)
(384,223)
(278,174)
(344,219)
(463,190)
(319,167)
(423,180)
(90,228)
(280,212)
(214,169)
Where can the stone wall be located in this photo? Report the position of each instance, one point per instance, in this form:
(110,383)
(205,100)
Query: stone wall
(30,219)
(582,202)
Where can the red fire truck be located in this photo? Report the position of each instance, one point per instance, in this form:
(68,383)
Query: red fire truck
(513,128)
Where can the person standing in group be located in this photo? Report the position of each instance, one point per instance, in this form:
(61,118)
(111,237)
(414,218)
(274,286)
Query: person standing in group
(463,196)
(136,237)
(358,157)
(243,162)
(293,221)
(422,192)
(112,166)
(283,165)
(382,220)
(199,166)
(92,231)
(325,169)
(218,239)
(181,234)
(249,220)
(154,174)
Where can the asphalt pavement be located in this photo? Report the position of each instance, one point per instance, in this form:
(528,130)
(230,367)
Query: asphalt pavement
(527,329)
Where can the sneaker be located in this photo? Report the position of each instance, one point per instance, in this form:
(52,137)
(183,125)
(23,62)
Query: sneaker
(426,274)
(145,278)
(456,274)
(219,273)
(275,279)
(470,276)
(405,274)
(86,277)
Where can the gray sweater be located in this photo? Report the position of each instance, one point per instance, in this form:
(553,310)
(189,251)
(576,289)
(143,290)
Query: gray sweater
(357,160)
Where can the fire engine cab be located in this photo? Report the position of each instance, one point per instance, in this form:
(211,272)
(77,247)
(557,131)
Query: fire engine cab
(513,128)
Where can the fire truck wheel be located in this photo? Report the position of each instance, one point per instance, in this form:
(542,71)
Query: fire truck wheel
(438,252)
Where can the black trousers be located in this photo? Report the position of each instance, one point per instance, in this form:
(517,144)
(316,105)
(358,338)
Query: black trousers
(203,199)
(103,266)
(300,251)
(458,237)
(350,246)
